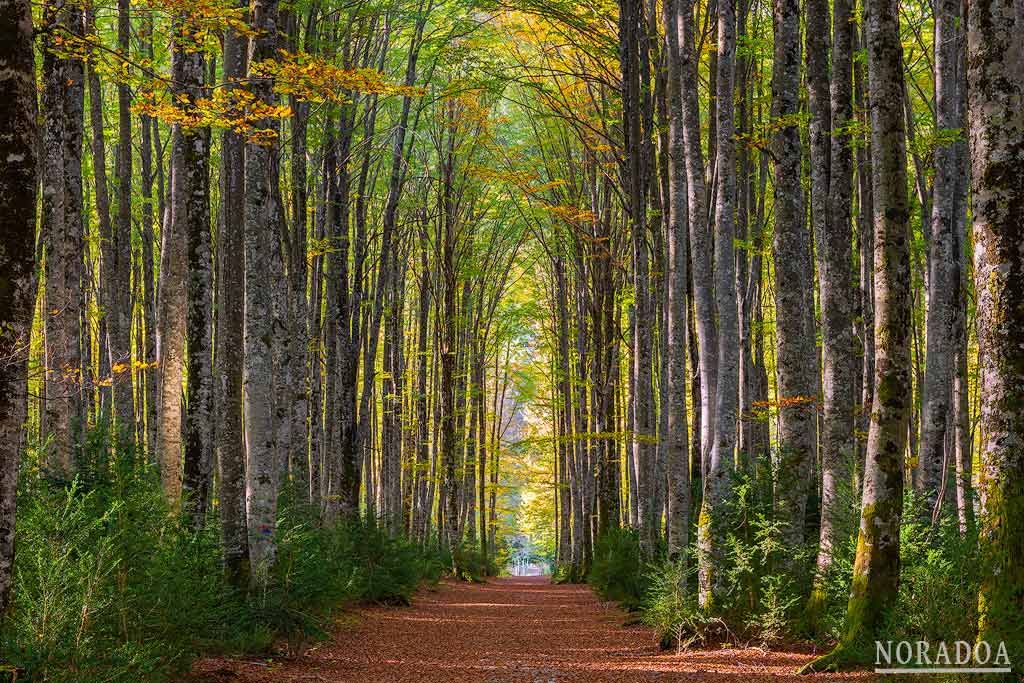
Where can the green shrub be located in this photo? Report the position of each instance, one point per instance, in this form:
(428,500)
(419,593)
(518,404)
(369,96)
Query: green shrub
(939,583)
(470,564)
(111,586)
(618,571)
(670,606)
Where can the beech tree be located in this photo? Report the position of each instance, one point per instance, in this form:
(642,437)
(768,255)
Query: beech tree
(995,77)
(18,196)
(876,572)
(443,275)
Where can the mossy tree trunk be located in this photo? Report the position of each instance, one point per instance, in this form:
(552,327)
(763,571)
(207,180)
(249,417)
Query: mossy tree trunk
(995,90)
(833,236)
(876,570)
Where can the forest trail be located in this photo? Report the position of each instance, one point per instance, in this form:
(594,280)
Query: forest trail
(513,629)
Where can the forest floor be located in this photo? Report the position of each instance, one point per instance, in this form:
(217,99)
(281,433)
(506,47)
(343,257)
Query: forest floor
(515,630)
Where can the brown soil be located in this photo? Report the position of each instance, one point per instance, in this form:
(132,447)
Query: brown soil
(519,630)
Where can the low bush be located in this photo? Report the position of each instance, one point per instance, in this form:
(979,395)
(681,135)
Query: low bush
(618,572)
(110,585)
(767,584)
(470,564)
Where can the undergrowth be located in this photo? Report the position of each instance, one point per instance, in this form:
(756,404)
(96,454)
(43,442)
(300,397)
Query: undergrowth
(767,584)
(111,586)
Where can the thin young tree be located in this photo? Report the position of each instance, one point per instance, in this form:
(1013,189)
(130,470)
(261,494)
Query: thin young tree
(712,525)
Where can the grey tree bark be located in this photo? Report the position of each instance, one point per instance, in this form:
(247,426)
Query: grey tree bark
(796,381)
(834,256)
(197,479)
(943,264)
(876,570)
(676,438)
(63,102)
(119,321)
(230,333)
(702,270)
(995,78)
(265,306)
(19,187)
(712,525)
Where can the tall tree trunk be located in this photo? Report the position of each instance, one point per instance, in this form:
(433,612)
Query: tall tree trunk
(943,265)
(866,247)
(676,441)
(795,342)
(119,319)
(700,239)
(106,289)
(19,186)
(636,97)
(198,470)
(188,208)
(995,79)
(421,512)
(62,228)
(963,437)
(834,256)
(712,525)
(230,333)
(148,349)
(877,567)
(263,305)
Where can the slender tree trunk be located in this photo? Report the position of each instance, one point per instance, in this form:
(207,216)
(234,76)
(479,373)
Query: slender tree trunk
(700,239)
(712,525)
(119,322)
(943,265)
(231,455)
(834,256)
(106,289)
(795,342)
(263,307)
(963,437)
(62,227)
(636,101)
(677,445)
(19,186)
(866,246)
(148,273)
(198,470)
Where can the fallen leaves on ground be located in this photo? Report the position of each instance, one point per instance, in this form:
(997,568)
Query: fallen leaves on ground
(514,630)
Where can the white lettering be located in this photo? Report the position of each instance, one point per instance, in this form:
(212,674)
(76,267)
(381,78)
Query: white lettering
(883,650)
(1002,659)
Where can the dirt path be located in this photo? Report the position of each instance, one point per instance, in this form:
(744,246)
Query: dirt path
(519,630)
